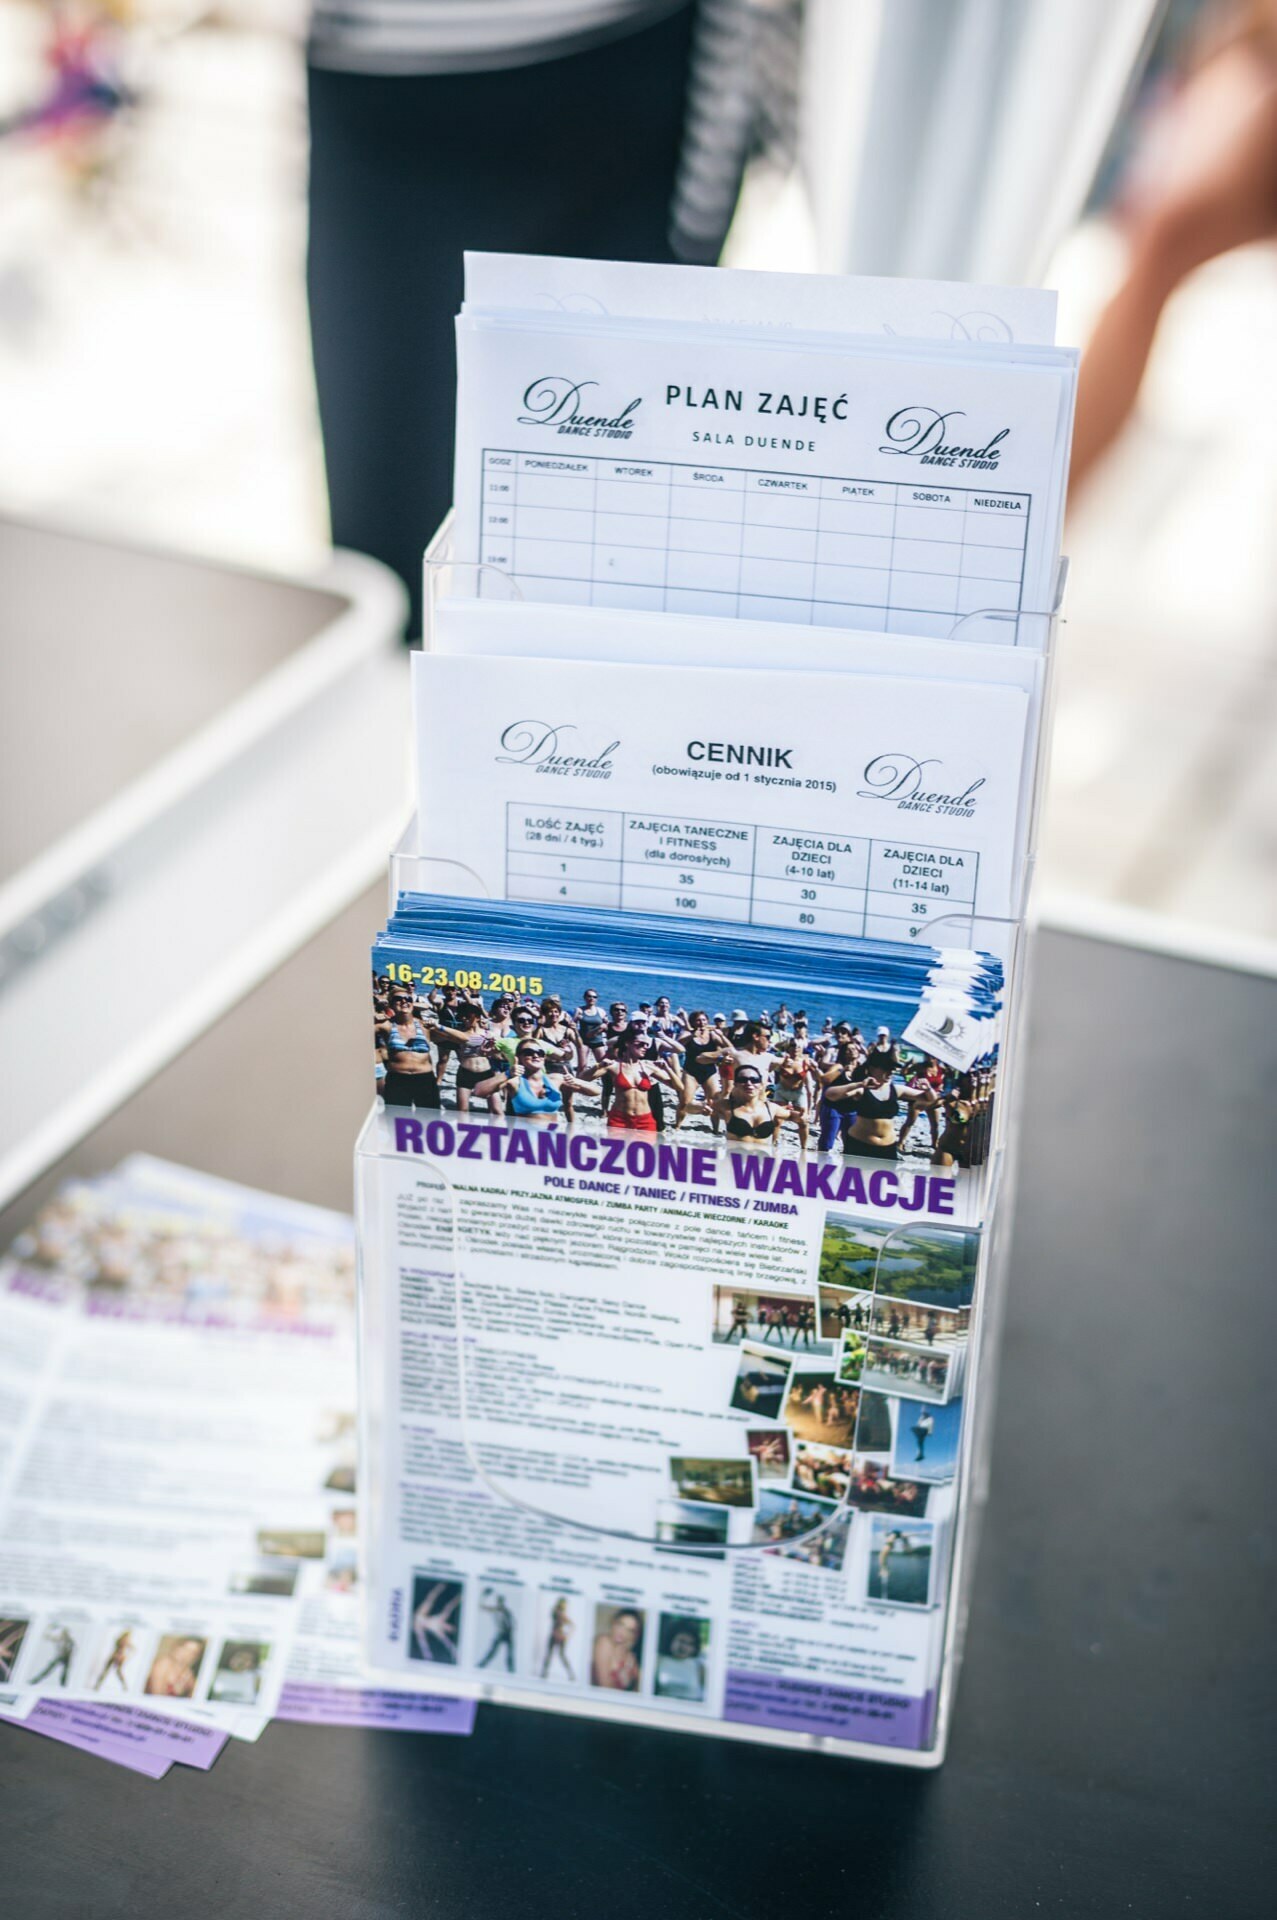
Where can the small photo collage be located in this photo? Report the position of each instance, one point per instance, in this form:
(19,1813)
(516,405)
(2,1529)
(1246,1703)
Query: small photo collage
(132,1658)
(559,1635)
(851,1397)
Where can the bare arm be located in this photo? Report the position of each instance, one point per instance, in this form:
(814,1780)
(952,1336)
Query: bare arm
(1221,135)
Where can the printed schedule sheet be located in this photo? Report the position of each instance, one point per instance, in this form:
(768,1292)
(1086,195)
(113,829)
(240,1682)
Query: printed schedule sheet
(685,537)
(849,483)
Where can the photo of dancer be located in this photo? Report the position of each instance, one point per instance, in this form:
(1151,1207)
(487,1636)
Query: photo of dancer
(926,1443)
(118,1663)
(719,1483)
(627,1053)
(922,1373)
(826,1549)
(59,1643)
(769,1450)
(768,1319)
(502,1626)
(435,1625)
(827,1411)
(237,1678)
(175,1671)
(682,1658)
(616,1659)
(802,1528)
(826,1471)
(556,1636)
(12,1634)
(822,1409)
(901,1556)
(761,1383)
(844,1310)
(874,1490)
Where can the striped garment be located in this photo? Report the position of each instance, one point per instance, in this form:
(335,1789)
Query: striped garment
(467,36)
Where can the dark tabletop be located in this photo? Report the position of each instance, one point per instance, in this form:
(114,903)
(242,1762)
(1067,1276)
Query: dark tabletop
(1112,1749)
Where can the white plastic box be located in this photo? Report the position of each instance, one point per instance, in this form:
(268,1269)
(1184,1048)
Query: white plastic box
(202,766)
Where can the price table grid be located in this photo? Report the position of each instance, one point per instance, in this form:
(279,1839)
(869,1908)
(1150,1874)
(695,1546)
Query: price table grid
(679,537)
(725,870)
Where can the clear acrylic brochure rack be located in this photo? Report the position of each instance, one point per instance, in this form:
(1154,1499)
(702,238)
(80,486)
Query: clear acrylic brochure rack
(520,1555)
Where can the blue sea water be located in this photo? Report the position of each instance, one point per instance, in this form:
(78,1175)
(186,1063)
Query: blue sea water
(866,1008)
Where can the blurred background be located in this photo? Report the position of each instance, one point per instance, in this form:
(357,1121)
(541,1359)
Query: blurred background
(155,364)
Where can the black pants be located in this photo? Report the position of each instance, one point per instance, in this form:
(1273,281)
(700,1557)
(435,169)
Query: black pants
(572,156)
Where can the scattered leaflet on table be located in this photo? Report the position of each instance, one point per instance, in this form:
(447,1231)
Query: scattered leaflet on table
(196,1574)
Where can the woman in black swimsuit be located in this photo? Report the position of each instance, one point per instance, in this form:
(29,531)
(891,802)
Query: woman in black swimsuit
(837,1083)
(750,1118)
(884,1051)
(877,1103)
(703,1050)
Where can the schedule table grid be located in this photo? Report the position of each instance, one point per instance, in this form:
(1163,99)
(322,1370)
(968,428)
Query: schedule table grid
(681,536)
(728,870)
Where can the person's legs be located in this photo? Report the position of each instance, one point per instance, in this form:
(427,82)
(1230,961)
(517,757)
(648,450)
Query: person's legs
(572,156)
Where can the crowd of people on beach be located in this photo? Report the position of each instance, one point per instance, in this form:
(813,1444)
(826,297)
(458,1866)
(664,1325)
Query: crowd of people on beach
(759,1081)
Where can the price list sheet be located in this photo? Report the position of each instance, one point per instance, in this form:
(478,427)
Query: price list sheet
(726,793)
(729,870)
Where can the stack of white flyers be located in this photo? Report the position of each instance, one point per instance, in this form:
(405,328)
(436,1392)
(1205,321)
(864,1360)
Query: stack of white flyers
(941,310)
(690,1020)
(757,471)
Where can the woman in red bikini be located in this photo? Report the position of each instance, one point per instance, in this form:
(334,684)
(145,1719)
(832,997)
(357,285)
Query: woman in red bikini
(633,1076)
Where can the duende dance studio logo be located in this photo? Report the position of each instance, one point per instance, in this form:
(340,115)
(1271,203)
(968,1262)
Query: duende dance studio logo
(926,434)
(900,778)
(552,400)
(537,744)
